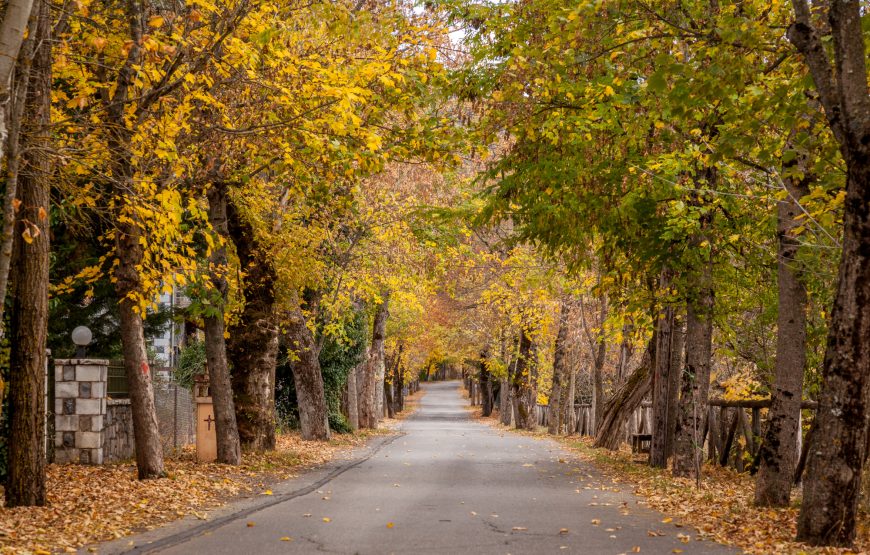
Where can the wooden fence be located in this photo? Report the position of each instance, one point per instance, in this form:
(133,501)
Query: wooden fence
(731,434)
(640,421)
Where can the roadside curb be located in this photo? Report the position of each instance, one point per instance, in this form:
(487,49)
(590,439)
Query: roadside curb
(189,527)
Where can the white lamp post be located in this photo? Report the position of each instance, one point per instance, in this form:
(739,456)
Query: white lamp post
(82,337)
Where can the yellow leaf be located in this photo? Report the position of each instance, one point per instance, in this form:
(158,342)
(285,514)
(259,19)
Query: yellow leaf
(286,538)
(390,525)
(267,492)
(28,238)
(667,520)
(327,519)
(155,21)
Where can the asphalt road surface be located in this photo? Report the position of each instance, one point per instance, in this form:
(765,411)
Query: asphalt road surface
(447,484)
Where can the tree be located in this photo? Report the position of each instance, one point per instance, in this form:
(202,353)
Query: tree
(779,451)
(26,479)
(12,32)
(226,430)
(833,477)
(373,373)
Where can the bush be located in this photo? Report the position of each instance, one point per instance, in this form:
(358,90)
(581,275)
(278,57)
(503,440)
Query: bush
(191,361)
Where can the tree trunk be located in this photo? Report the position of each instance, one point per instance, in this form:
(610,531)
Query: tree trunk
(658,455)
(678,340)
(253,345)
(485,379)
(625,401)
(12,29)
(353,398)
(129,252)
(311,399)
(374,369)
(779,451)
(832,486)
(26,462)
(11,119)
(571,396)
(598,380)
(389,378)
(833,483)
(505,403)
(399,396)
(560,363)
(695,380)
(522,386)
(220,389)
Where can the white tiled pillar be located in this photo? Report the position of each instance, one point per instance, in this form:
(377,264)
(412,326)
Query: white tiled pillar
(80,409)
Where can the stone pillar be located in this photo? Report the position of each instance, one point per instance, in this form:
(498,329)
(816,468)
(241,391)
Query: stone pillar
(80,410)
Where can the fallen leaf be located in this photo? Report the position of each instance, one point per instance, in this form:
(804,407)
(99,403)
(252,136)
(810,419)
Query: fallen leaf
(267,492)
(596,522)
(286,538)
(390,525)
(563,531)
(327,519)
(667,520)
(519,528)
(250,524)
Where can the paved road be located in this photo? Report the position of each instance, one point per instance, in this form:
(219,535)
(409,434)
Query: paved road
(452,485)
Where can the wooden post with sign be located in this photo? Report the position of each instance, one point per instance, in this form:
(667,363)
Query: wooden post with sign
(206,438)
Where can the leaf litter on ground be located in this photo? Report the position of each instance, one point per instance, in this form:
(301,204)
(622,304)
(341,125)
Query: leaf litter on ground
(88,504)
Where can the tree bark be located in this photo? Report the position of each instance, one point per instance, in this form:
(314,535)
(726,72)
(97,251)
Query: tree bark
(485,379)
(678,342)
(253,345)
(220,389)
(571,396)
(779,451)
(833,482)
(11,122)
(389,378)
(598,376)
(658,456)
(26,462)
(505,403)
(560,363)
(625,401)
(695,379)
(313,411)
(12,29)
(522,385)
(374,368)
(129,252)
(399,384)
(353,398)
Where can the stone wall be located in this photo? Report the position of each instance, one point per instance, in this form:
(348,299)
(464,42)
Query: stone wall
(80,407)
(90,428)
(118,442)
